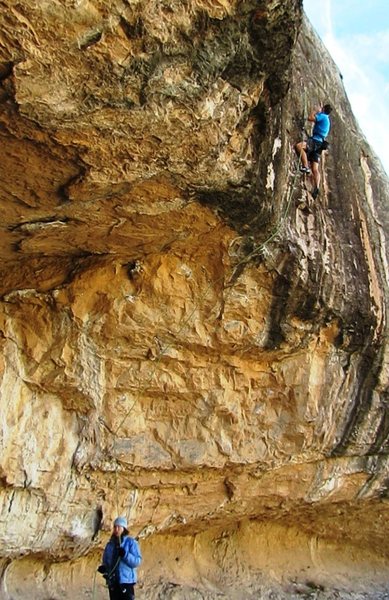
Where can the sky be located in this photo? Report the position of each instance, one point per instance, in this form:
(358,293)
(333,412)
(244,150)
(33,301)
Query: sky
(356,33)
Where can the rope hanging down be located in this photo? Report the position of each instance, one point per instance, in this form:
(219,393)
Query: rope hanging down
(257,251)
(260,248)
(253,254)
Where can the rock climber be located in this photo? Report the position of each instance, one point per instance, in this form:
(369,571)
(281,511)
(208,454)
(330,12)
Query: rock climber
(121,557)
(311,150)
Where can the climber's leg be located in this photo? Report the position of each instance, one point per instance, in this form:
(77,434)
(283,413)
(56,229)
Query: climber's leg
(316,178)
(300,148)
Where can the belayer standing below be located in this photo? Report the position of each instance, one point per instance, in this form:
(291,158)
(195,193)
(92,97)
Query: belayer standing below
(120,559)
(311,150)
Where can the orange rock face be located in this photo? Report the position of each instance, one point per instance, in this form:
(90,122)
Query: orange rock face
(187,338)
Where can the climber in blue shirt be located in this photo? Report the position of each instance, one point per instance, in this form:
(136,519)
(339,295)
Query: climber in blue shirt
(311,150)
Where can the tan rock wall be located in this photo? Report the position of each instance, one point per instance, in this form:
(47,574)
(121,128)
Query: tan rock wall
(186,337)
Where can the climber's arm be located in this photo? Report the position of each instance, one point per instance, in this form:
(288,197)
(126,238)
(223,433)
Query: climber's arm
(312,116)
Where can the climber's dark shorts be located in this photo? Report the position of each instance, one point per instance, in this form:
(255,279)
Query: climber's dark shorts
(314,149)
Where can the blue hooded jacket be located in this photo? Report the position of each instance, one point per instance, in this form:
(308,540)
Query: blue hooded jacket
(125,567)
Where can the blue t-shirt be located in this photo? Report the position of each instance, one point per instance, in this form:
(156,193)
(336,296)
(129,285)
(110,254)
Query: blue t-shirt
(322,126)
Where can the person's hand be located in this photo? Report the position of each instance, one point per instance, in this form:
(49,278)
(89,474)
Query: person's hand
(122,552)
(102,569)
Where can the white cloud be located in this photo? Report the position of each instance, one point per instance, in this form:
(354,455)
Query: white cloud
(374,46)
(327,13)
(364,88)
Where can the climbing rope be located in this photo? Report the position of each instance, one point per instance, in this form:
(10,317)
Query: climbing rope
(107,576)
(164,349)
(94,586)
(260,248)
(257,251)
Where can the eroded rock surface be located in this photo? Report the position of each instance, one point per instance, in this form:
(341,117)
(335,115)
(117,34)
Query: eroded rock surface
(187,338)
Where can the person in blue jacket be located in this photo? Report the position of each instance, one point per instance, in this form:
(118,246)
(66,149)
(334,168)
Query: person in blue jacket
(311,150)
(121,557)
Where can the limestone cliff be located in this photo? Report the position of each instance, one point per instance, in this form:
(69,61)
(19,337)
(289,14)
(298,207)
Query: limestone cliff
(187,338)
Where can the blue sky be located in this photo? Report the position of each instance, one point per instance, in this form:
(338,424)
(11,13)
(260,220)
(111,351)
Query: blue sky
(356,33)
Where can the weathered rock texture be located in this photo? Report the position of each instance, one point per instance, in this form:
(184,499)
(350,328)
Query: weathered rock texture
(186,337)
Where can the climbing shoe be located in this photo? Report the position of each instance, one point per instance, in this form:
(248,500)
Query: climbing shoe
(315,193)
(305,170)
